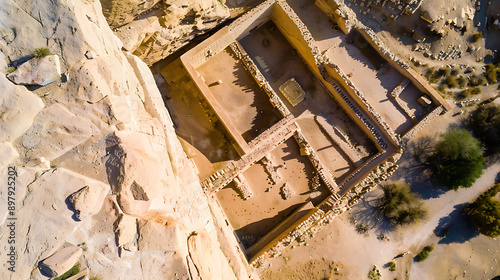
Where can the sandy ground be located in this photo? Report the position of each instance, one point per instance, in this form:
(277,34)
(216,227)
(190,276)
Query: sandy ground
(256,216)
(239,95)
(338,245)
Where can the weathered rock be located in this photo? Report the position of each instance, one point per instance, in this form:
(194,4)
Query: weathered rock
(109,93)
(126,231)
(88,200)
(61,261)
(161,236)
(37,71)
(7,154)
(55,131)
(161,28)
(204,254)
(18,107)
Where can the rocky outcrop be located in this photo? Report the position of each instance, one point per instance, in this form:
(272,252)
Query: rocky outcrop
(37,71)
(88,200)
(61,261)
(99,142)
(153,29)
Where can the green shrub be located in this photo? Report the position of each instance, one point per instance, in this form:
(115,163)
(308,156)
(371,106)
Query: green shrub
(462,81)
(73,271)
(474,90)
(392,266)
(451,81)
(424,254)
(374,274)
(11,69)
(477,36)
(491,73)
(400,205)
(41,52)
(484,213)
(463,94)
(475,81)
(458,159)
(485,124)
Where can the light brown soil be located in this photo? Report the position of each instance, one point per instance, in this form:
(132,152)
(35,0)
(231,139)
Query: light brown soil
(239,95)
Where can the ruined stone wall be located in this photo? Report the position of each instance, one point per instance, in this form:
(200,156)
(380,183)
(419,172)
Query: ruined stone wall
(425,121)
(346,19)
(335,72)
(260,79)
(227,35)
(323,214)
(297,34)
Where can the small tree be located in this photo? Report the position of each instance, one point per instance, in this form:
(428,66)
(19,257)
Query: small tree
(485,124)
(457,160)
(424,254)
(484,213)
(400,205)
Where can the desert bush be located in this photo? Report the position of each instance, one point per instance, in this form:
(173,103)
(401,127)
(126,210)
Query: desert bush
(485,124)
(474,90)
(424,254)
(484,212)
(451,81)
(475,80)
(477,36)
(374,274)
(491,72)
(457,160)
(392,266)
(41,52)
(462,81)
(400,205)
(463,94)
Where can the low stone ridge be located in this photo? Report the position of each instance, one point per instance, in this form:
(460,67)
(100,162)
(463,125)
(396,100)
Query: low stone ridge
(61,261)
(37,71)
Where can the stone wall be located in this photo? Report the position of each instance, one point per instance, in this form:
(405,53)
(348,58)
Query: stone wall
(422,123)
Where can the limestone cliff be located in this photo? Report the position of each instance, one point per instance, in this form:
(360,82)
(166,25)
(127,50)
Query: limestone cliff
(98,162)
(153,29)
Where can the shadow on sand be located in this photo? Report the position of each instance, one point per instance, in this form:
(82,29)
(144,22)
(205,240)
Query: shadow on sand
(455,228)
(366,212)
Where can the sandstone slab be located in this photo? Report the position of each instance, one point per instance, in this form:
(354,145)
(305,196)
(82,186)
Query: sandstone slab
(37,71)
(61,261)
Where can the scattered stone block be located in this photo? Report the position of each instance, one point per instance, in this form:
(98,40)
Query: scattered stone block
(88,200)
(37,71)
(61,261)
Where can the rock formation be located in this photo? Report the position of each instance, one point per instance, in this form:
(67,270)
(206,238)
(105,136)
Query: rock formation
(37,71)
(153,29)
(61,261)
(99,141)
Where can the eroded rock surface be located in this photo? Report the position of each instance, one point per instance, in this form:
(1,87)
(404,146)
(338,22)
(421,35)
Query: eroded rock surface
(153,29)
(61,261)
(99,142)
(37,71)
